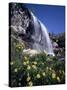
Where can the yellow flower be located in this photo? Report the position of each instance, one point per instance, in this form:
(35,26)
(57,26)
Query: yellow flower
(63,71)
(50,68)
(27,62)
(43,74)
(58,78)
(47,68)
(35,63)
(19,47)
(53,75)
(25,58)
(33,66)
(24,63)
(30,83)
(38,76)
(28,67)
(15,70)
(28,78)
(42,63)
(11,63)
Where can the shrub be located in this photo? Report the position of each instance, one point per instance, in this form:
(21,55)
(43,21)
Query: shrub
(39,69)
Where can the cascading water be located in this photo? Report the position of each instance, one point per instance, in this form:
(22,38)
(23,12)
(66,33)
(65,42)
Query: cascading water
(41,37)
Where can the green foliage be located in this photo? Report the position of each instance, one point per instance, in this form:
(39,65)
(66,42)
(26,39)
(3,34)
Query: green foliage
(59,38)
(39,69)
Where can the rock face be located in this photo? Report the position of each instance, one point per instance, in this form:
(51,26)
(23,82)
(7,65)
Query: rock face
(30,52)
(21,23)
(26,27)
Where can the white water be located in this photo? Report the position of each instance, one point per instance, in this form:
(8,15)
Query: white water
(41,37)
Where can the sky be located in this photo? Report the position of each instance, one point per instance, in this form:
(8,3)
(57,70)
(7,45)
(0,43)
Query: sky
(53,17)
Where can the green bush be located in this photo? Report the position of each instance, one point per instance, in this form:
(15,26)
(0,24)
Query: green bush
(34,70)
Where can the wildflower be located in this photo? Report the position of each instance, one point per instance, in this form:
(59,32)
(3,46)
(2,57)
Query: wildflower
(58,78)
(28,67)
(18,46)
(48,59)
(11,63)
(27,62)
(56,40)
(25,58)
(30,83)
(35,63)
(24,63)
(15,70)
(42,63)
(43,74)
(31,55)
(47,68)
(20,79)
(63,71)
(50,68)
(33,66)
(53,75)
(19,84)
(38,76)
(28,78)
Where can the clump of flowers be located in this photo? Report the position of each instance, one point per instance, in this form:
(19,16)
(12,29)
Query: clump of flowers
(39,69)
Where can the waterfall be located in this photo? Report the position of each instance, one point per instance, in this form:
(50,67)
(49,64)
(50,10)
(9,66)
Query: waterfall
(41,38)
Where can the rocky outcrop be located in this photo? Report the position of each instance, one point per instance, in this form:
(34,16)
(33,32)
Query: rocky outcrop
(27,28)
